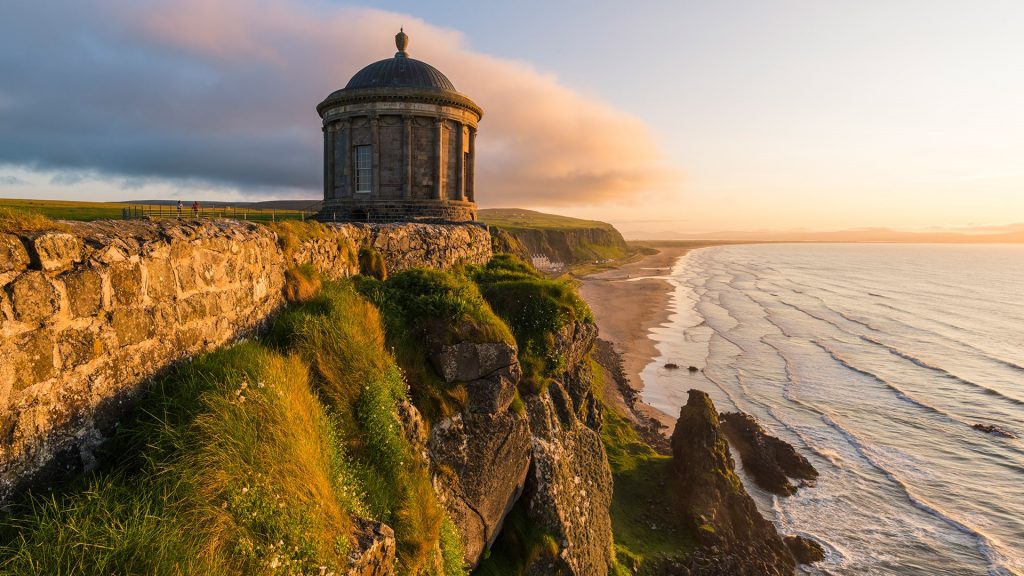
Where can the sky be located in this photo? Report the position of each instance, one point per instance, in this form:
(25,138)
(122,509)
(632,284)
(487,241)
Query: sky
(659,116)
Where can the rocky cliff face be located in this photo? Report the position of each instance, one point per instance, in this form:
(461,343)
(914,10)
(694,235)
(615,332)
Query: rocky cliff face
(569,488)
(551,249)
(490,456)
(90,310)
(480,457)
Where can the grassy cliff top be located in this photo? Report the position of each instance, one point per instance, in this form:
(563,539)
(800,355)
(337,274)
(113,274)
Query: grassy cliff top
(519,218)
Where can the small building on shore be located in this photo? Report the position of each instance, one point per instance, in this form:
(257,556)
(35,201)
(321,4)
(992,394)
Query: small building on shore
(399,145)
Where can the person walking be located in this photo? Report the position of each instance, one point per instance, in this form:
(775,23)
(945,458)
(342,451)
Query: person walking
(179,209)
(195,209)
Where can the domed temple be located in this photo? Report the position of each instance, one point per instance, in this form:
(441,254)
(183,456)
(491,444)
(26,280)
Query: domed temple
(399,145)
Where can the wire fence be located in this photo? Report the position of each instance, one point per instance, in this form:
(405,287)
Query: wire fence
(132,211)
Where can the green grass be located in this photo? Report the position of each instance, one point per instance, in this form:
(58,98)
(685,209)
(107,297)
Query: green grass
(422,308)
(535,308)
(250,460)
(72,210)
(645,509)
(513,218)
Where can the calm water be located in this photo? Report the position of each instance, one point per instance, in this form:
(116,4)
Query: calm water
(874,361)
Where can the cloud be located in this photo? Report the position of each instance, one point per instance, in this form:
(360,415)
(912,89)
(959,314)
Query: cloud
(223,93)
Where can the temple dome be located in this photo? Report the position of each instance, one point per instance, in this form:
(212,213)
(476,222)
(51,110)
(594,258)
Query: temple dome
(400,72)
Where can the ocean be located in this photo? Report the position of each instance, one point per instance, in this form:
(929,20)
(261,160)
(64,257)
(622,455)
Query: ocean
(875,361)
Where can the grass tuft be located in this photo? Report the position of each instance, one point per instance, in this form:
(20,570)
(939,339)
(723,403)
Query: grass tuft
(18,221)
(536,309)
(372,264)
(424,308)
(301,284)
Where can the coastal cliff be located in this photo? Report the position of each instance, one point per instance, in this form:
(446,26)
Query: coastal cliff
(553,243)
(393,400)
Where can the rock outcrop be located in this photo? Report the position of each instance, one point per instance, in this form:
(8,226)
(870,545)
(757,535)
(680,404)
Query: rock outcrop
(90,310)
(769,460)
(480,457)
(374,551)
(550,459)
(724,517)
(805,550)
(569,488)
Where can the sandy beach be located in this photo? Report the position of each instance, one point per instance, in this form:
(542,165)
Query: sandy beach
(627,302)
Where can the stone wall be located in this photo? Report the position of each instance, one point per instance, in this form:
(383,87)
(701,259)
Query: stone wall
(89,312)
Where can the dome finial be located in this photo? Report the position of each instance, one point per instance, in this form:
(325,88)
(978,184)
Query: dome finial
(402,42)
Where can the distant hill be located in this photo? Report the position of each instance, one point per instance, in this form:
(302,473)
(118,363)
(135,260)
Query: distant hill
(550,241)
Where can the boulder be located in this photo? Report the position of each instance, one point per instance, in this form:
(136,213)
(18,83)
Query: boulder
(994,430)
(480,463)
(57,250)
(374,550)
(468,361)
(805,550)
(769,460)
(569,489)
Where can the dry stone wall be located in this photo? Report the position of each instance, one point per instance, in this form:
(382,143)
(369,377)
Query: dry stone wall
(89,312)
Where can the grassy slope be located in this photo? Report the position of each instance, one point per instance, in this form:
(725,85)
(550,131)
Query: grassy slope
(250,460)
(511,218)
(70,210)
(644,522)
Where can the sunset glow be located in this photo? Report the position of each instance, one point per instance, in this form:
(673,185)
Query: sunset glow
(668,118)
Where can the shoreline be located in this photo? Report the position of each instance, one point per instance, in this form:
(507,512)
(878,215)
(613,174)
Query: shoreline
(628,301)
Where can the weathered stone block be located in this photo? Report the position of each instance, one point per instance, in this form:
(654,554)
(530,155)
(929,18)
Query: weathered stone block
(126,284)
(57,250)
(196,307)
(34,362)
(161,283)
(466,361)
(78,347)
(493,394)
(131,326)
(185,269)
(13,257)
(85,292)
(33,298)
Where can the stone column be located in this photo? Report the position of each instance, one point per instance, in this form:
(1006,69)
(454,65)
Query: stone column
(407,156)
(328,157)
(438,157)
(471,168)
(460,164)
(375,153)
(343,160)
(340,135)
